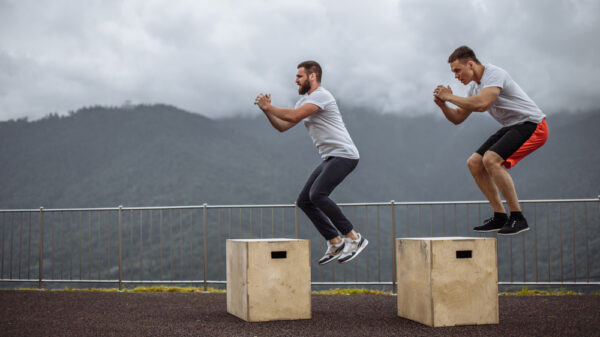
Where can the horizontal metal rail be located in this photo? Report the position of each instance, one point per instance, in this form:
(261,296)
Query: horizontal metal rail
(347,204)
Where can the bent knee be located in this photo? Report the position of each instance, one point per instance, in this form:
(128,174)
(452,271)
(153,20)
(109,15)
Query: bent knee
(491,160)
(317,197)
(303,202)
(475,162)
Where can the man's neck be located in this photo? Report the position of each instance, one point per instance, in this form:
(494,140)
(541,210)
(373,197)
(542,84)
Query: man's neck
(313,88)
(478,69)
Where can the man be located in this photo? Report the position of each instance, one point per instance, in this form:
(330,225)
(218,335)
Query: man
(524,130)
(319,111)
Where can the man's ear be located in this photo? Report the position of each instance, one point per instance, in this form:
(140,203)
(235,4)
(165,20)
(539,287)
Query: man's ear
(312,76)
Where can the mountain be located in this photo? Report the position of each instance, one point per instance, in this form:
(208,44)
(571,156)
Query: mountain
(151,155)
(159,155)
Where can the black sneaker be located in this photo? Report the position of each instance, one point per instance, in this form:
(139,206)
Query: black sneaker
(332,253)
(492,224)
(353,248)
(514,226)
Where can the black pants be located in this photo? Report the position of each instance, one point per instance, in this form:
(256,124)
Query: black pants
(314,198)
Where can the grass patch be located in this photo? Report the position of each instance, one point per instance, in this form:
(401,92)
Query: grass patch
(153,289)
(549,292)
(165,289)
(338,291)
(100,290)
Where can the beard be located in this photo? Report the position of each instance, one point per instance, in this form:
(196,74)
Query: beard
(304,88)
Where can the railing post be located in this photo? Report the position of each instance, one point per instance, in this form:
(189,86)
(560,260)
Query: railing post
(296,218)
(2,247)
(120,248)
(41,262)
(394,286)
(205,248)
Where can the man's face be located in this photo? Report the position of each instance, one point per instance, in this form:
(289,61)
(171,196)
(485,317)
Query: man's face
(302,81)
(462,71)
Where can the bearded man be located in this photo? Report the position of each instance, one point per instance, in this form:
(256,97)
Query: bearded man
(318,109)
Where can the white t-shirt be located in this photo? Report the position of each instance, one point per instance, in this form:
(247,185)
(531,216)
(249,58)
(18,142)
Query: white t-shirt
(326,127)
(512,106)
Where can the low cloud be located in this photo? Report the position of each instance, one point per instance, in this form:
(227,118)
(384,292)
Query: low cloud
(214,57)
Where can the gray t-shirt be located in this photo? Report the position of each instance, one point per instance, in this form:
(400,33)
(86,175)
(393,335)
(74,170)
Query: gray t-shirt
(512,106)
(326,127)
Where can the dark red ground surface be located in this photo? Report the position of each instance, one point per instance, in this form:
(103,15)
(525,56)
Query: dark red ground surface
(51,313)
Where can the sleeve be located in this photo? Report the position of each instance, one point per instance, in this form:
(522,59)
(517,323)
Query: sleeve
(495,78)
(319,98)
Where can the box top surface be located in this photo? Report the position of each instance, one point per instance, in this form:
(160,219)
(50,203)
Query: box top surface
(445,238)
(266,240)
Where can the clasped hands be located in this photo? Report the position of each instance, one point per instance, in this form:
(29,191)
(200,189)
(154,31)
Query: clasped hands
(441,94)
(263,101)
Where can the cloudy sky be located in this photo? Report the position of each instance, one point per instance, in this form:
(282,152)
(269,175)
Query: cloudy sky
(214,57)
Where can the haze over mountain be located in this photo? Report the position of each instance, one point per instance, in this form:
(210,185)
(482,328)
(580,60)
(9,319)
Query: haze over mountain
(151,155)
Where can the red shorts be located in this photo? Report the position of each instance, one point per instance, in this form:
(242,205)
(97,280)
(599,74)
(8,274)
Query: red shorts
(537,139)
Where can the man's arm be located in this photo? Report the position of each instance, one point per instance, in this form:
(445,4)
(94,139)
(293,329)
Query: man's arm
(455,116)
(283,119)
(481,102)
(277,123)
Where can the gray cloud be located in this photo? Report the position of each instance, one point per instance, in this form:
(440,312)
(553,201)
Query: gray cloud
(214,57)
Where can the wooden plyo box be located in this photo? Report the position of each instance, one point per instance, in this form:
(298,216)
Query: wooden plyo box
(268,279)
(447,281)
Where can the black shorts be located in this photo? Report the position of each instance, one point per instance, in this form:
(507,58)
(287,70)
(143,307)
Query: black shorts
(508,140)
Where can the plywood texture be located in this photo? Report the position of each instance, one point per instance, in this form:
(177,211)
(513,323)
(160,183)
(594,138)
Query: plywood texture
(437,288)
(265,287)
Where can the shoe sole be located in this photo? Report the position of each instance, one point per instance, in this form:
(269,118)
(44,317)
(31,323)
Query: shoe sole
(366,242)
(515,233)
(332,259)
(486,230)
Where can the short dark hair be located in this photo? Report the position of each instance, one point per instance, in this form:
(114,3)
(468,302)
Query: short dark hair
(464,54)
(312,67)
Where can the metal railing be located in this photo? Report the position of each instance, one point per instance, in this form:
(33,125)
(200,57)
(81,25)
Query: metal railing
(186,244)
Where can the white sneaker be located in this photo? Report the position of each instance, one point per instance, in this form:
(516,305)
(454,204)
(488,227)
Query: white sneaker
(352,248)
(332,253)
